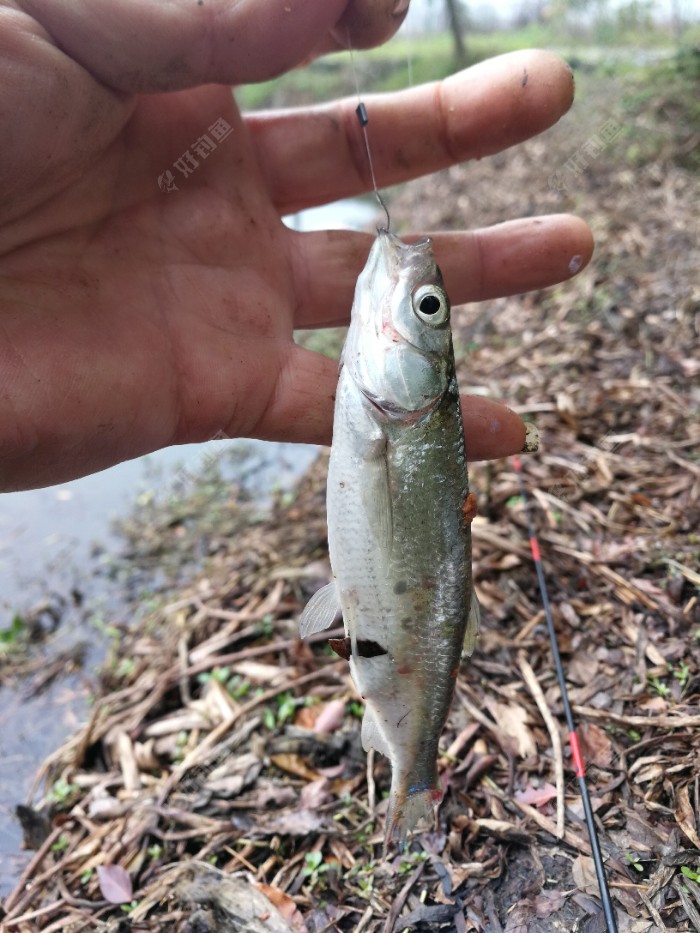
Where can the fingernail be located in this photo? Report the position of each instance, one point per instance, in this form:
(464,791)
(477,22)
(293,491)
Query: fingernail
(532,438)
(400,7)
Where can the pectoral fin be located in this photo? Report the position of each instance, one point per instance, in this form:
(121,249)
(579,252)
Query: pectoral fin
(321,611)
(472,630)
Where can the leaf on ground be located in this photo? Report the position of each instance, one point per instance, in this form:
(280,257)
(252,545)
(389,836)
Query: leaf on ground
(306,716)
(685,816)
(512,721)
(269,794)
(501,829)
(115,884)
(585,879)
(596,745)
(519,916)
(293,764)
(257,672)
(290,823)
(549,902)
(331,717)
(333,771)
(460,873)
(323,919)
(284,904)
(314,795)
(654,705)
(536,796)
(582,667)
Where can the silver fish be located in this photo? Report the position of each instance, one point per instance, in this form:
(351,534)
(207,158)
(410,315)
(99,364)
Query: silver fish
(399,514)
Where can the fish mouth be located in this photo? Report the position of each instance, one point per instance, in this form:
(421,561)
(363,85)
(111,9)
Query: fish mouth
(404,253)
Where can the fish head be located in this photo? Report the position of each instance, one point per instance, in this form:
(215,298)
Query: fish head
(399,345)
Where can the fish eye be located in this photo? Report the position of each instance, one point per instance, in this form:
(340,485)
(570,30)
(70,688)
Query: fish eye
(431,305)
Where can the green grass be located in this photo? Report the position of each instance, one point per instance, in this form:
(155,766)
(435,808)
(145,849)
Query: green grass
(415,60)
(328,340)
(666,95)
(383,69)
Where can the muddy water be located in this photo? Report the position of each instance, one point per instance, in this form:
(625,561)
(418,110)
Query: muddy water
(56,548)
(56,558)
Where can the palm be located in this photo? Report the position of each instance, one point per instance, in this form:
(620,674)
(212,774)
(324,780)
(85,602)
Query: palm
(133,317)
(142,320)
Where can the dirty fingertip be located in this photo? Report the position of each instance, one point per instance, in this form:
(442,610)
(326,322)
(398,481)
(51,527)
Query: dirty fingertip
(491,430)
(532,438)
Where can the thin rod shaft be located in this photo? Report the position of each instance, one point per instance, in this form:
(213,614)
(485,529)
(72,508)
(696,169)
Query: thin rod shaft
(608,910)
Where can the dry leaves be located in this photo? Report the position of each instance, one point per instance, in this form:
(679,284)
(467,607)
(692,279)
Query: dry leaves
(685,815)
(115,884)
(512,722)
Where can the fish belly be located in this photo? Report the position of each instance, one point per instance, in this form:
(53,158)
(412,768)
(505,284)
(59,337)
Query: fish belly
(400,551)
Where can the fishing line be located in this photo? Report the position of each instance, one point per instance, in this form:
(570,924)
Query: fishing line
(363,120)
(608,910)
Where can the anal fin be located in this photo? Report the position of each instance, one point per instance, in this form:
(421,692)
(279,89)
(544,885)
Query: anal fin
(372,736)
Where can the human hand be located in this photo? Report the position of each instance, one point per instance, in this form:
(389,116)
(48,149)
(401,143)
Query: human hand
(132,318)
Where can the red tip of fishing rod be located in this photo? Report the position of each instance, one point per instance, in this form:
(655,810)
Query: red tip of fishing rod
(516,463)
(576,755)
(535,548)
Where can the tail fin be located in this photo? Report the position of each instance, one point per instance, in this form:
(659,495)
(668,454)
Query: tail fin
(408,809)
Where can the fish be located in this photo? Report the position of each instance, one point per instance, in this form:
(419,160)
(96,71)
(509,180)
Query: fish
(399,512)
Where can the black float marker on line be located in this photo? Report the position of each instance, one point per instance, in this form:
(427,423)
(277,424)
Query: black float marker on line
(608,909)
(363,120)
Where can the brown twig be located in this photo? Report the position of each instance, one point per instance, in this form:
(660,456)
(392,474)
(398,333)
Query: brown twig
(402,896)
(536,691)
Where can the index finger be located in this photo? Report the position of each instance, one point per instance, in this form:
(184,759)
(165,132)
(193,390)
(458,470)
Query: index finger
(316,155)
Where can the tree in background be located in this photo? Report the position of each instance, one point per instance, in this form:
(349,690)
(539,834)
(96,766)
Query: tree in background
(533,11)
(455,14)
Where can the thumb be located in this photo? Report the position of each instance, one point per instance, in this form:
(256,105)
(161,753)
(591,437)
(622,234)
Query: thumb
(148,47)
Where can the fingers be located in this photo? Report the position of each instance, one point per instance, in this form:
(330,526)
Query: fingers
(513,257)
(314,156)
(301,410)
(490,429)
(507,259)
(147,47)
(366,23)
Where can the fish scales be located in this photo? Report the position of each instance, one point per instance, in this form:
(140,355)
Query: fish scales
(398,531)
